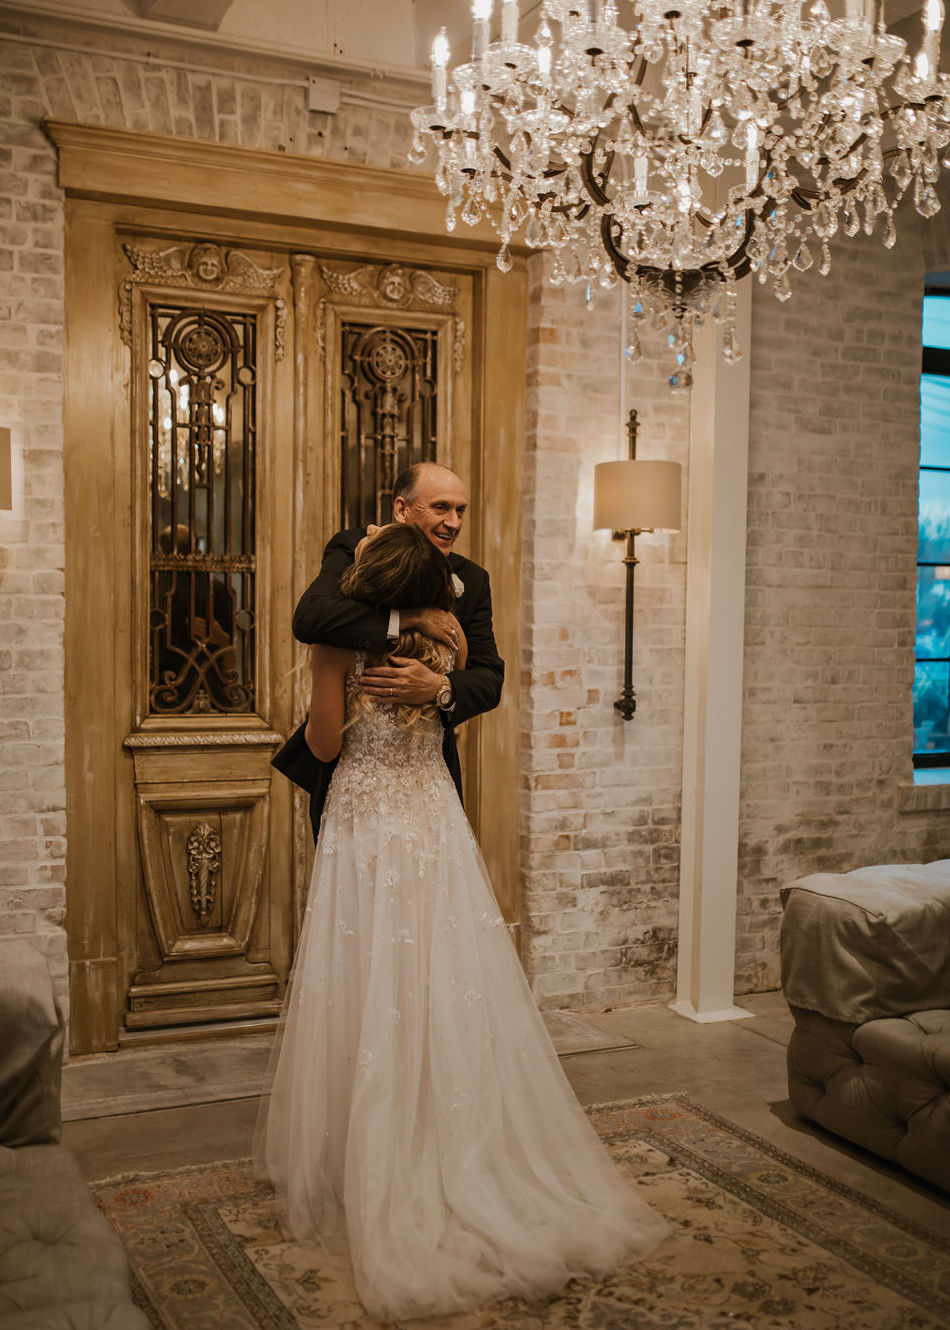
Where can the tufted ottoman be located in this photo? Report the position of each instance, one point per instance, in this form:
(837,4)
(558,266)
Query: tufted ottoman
(866,973)
(61,1266)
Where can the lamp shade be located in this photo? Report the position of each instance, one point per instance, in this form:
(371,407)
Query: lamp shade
(637,495)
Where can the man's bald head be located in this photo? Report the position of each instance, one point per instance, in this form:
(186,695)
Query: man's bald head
(433,498)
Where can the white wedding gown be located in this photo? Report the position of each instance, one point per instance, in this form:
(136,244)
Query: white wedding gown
(415,1094)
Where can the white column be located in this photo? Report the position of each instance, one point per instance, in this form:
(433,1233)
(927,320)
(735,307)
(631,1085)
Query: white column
(715,618)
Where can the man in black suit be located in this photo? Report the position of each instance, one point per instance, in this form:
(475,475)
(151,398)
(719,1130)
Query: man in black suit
(433,499)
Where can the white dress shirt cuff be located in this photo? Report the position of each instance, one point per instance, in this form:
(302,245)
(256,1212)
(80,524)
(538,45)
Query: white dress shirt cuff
(393,630)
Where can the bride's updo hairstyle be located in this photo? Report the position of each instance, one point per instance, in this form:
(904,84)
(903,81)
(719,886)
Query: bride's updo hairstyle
(400,569)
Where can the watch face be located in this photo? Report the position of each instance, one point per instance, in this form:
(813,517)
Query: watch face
(445,697)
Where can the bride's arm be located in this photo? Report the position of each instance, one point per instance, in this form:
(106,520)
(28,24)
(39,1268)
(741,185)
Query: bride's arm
(324,732)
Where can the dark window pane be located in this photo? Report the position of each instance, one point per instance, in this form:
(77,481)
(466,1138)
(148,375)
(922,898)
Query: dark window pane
(933,613)
(389,410)
(936,329)
(931,684)
(934,517)
(203,409)
(934,421)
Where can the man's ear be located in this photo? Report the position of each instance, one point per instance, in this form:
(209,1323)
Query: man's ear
(400,509)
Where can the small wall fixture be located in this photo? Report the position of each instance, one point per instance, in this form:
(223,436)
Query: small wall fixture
(632,497)
(6,469)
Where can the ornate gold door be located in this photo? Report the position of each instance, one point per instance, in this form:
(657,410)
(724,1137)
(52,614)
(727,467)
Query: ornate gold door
(261,393)
(205,329)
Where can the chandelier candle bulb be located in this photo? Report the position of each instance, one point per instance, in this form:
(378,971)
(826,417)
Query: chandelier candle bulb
(481,12)
(680,150)
(752,157)
(440,60)
(928,59)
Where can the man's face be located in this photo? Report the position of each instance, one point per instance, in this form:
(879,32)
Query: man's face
(437,507)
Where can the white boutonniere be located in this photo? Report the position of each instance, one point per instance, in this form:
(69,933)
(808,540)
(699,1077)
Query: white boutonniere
(458,586)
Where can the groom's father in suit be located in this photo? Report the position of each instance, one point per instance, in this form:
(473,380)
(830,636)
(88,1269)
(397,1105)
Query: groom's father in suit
(432,498)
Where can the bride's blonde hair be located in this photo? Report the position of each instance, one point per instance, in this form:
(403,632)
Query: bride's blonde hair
(419,647)
(400,568)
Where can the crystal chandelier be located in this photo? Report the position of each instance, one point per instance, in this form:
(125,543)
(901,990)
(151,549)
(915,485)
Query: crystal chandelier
(690,145)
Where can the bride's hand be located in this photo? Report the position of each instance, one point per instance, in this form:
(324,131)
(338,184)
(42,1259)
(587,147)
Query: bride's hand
(404,680)
(440,625)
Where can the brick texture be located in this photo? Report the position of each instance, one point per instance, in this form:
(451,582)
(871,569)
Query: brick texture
(601,797)
(831,579)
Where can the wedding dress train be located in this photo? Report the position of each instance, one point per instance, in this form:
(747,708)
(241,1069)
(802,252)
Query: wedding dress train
(415,1095)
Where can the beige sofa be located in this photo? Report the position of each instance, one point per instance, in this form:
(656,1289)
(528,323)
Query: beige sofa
(61,1265)
(866,973)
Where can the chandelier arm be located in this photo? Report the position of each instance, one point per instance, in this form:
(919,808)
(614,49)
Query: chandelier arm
(619,260)
(807,198)
(890,111)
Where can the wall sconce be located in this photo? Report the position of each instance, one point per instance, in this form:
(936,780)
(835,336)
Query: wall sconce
(632,497)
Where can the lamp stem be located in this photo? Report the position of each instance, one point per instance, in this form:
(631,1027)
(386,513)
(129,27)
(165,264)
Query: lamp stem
(626,703)
(632,430)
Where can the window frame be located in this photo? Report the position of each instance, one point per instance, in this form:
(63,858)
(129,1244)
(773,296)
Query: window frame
(935,361)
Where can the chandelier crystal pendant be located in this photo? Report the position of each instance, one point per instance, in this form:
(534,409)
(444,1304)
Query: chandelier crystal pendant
(688,145)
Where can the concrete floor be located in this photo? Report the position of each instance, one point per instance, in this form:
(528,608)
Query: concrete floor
(736,1069)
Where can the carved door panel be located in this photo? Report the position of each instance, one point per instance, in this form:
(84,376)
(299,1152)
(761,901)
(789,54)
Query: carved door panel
(205,326)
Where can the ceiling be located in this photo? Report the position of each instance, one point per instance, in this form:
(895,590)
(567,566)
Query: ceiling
(388,36)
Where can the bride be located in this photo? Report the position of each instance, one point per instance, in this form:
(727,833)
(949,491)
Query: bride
(415,1095)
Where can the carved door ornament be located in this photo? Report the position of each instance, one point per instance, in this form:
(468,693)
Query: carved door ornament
(391,287)
(200,267)
(203,848)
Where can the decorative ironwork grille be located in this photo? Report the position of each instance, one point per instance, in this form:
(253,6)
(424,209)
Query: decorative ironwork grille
(389,414)
(202,428)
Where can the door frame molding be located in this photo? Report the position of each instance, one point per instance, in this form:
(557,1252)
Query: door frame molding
(295,203)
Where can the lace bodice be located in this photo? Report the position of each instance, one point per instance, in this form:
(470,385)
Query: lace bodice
(381,755)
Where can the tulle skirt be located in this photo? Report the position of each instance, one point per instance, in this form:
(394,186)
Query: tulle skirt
(415,1096)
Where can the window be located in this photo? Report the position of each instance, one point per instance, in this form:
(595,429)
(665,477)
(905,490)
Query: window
(932,671)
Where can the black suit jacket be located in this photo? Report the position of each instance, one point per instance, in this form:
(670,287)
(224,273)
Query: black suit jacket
(323,615)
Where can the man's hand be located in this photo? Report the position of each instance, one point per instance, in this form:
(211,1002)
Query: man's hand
(404,680)
(440,625)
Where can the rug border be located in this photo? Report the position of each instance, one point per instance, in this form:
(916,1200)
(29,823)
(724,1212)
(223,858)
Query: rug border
(936,1240)
(891,1277)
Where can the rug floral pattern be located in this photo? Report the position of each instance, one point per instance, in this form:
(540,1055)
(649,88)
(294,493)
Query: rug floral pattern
(760,1242)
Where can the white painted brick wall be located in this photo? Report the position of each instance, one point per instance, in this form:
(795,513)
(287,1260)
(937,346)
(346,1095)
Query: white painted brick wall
(32,793)
(600,815)
(830,603)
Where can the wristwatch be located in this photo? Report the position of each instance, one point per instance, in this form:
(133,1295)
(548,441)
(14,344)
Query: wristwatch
(445,697)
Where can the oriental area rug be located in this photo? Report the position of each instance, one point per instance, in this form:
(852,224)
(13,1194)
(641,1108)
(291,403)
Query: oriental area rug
(760,1242)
